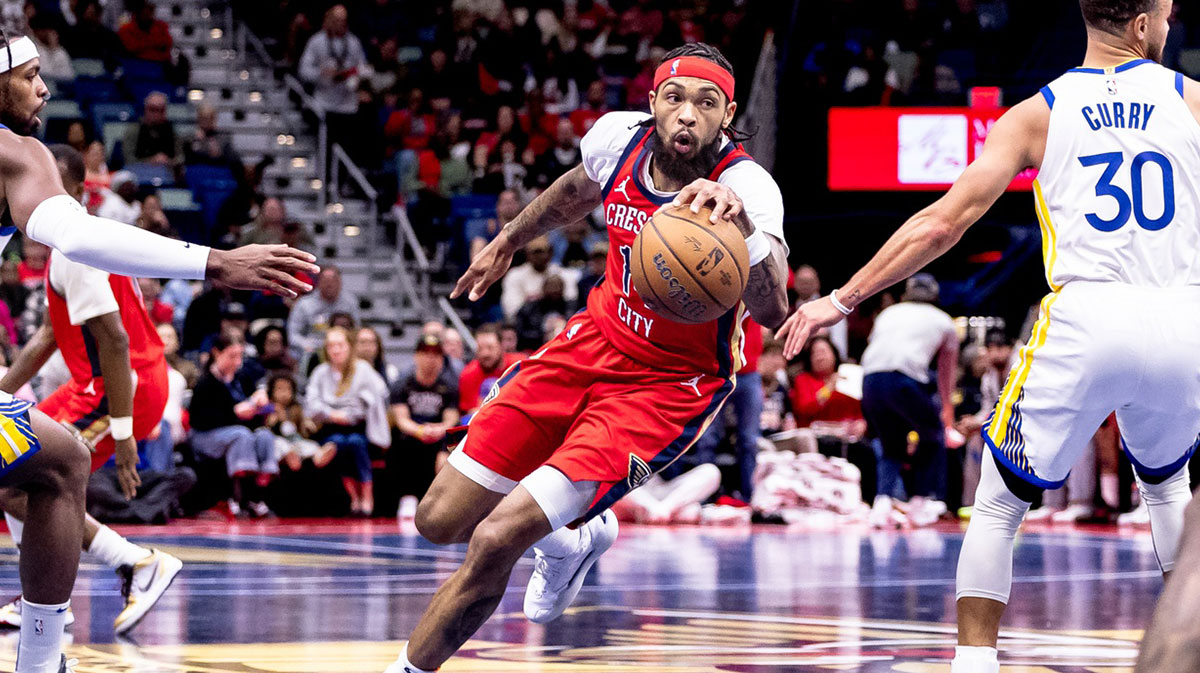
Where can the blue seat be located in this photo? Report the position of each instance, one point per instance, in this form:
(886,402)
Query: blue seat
(152,174)
(472,206)
(136,69)
(104,113)
(91,90)
(198,175)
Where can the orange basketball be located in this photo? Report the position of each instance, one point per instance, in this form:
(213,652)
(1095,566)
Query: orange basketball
(687,269)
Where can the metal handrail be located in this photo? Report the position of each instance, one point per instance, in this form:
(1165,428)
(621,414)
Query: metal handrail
(457,323)
(404,226)
(341,158)
(309,103)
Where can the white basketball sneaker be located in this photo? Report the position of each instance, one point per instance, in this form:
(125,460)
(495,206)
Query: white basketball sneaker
(10,614)
(556,581)
(144,584)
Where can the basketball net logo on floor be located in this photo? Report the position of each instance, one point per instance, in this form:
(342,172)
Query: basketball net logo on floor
(647,641)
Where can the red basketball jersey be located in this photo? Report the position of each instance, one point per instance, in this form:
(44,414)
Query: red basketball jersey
(632,328)
(77,344)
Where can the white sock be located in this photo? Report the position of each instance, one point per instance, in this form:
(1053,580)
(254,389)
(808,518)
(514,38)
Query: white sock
(1110,490)
(40,647)
(406,666)
(975,660)
(15,527)
(562,542)
(115,551)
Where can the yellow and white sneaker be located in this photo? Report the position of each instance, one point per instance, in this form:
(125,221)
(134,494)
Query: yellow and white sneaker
(144,583)
(10,614)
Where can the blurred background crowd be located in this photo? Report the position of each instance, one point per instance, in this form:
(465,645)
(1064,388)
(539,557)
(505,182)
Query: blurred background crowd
(459,113)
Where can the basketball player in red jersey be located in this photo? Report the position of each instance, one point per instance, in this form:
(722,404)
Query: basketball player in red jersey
(115,398)
(38,455)
(622,392)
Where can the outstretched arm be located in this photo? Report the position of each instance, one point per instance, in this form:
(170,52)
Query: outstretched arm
(1016,142)
(567,200)
(41,208)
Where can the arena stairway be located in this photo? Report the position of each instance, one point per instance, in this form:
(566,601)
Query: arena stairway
(266,119)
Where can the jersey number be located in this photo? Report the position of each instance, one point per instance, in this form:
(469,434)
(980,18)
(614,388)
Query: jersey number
(625,251)
(1132,205)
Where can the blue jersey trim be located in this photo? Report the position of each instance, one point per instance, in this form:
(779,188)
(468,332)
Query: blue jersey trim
(1121,68)
(1165,470)
(633,142)
(1023,474)
(645,190)
(1179,83)
(1049,96)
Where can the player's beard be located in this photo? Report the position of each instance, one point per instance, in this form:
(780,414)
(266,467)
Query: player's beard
(21,125)
(683,169)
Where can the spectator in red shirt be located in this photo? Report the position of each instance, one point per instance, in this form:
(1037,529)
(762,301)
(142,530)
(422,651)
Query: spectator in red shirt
(815,396)
(145,36)
(159,311)
(490,362)
(541,126)
(595,106)
(32,269)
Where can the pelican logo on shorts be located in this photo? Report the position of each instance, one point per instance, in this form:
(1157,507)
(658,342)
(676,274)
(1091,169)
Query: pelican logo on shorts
(1112,86)
(491,393)
(639,471)
(710,261)
(621,187)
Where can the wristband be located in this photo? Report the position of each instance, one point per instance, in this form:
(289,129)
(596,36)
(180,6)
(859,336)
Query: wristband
(842,308)
(758,246)
(121,427)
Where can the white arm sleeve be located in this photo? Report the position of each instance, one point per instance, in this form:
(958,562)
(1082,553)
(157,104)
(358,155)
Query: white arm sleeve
(760,196)
(63,224)
(604,143)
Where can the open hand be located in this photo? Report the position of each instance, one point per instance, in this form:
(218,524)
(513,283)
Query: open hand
(127,462)
(806,321)
(488,267)
(271,268)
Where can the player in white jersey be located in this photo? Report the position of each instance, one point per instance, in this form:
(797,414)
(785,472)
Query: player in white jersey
(1117,143)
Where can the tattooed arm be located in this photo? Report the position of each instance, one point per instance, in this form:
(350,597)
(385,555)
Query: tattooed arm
(766,289)
(567,200)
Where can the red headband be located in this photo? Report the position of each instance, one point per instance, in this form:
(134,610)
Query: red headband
(694,66)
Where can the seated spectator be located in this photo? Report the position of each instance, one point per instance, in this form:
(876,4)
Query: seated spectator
(506,128)
(594,270)
(178,364)
(595,107)
(180,293)
(777,413)
(97,179)
(508,339)
(153,218)
(478,377)
(13,292)
(153,139)
(119,202)
(267,228)
(32,269)
(88,37)
(424,405)
(531,319)
(209,145)
(78,135)
(145,36)
(273,352)
(160,313)
(226,415)
(572,242)
(524,283)
(343,320)
(369,348)
(234,319)
(292,428)
(55,61)
(816,397)
(345,396)
(560,158)
(311,314)
(452,344)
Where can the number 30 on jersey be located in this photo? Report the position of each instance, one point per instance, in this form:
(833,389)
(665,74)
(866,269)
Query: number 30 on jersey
(1132,203)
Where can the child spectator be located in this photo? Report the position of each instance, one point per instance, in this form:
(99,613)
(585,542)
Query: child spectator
(292,429)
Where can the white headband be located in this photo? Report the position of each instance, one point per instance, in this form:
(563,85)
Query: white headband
(22,51)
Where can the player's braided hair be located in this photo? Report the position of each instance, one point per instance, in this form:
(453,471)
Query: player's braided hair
(708,53)
(1112,16)
(8,40)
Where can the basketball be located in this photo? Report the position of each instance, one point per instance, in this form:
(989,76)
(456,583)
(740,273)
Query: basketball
(688,269)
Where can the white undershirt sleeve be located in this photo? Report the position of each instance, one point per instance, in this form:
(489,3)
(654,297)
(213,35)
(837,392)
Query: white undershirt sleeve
(760,196)
(63,224)
(604,143)
(86,290)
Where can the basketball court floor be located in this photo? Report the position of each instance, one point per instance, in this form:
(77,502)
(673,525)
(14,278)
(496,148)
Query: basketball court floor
(339,597)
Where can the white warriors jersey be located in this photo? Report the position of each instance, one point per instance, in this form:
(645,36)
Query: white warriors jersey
(1118,193)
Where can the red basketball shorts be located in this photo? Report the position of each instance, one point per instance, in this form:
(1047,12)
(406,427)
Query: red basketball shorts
(85,406)
(592,413)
